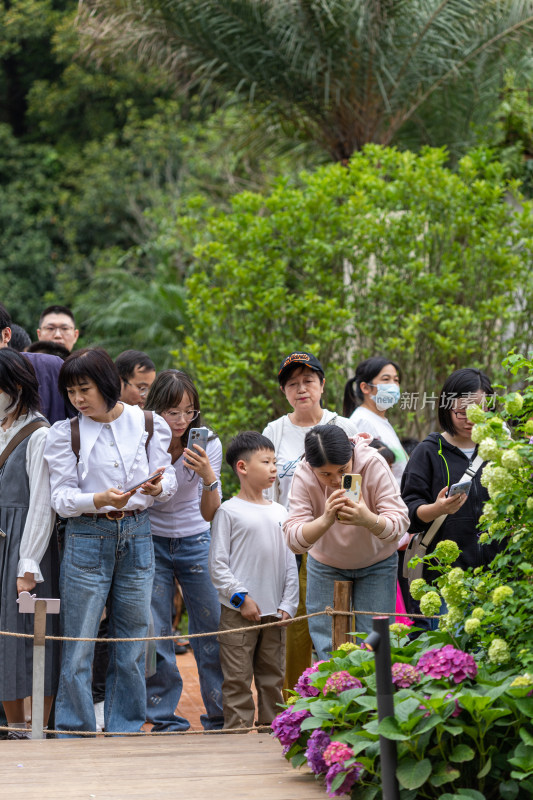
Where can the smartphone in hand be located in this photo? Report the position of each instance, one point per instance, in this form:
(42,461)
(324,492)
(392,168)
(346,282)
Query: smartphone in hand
(145,480)
(459,488)
(352,485)
(198,436)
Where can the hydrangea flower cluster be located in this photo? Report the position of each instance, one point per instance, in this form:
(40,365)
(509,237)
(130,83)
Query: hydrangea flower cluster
(318,742)
(404,675)
(512,459)
(514,404)
(430,604)
(499,651)
(417,588)
(447,551)
(475,414)
(286,726)
(454,593)
(500,594)
(471,625)
(341,682)
(337,753)
(447,662)
(347,647)
(488,449)
(523,680)
(304,687)
(480,432)
(352,775)
(399,629)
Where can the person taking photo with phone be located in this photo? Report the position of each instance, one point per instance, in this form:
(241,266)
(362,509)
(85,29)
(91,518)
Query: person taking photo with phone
(181,535)
(93,459)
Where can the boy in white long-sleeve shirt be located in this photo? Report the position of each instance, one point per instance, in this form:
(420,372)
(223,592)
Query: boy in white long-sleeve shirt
(256,578)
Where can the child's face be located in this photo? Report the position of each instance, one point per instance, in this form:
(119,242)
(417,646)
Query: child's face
(259,469)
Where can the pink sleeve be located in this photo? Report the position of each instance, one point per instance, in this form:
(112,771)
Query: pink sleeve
(300,511)
(383,497)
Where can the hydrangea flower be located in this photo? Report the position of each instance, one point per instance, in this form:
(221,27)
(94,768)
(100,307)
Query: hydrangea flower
(471,625)
(512,459)
(484,538)
(447,551)
(417,588)
(475,413)
(347,647)
(430,604)
(523,680)
(454,594)
(304,687)
(352,775)
(292,700)
(478,613)
(499,651)
(456,575)
(447,662)
(286,726)
(488,449)
(337,753)
(399,629)
(528,428)
(341,682)
(529,503)
(480,431)
(318,742)
(404,675)
(514,404)
(500,594)
(500,480)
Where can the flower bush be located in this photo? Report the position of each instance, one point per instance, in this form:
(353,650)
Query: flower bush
(460,730)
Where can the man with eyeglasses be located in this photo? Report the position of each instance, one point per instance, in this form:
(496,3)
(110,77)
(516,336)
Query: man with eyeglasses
(57,324)
(137,373)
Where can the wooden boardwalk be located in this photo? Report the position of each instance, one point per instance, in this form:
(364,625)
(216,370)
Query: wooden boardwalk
(225,767)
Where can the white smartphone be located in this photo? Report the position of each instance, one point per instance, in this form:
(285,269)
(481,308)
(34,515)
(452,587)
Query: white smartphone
(352,484)
(198,436)
(459,488)
(145,480)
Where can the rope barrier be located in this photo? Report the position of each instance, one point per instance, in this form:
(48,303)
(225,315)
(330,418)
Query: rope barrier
(94,734)
(331,612)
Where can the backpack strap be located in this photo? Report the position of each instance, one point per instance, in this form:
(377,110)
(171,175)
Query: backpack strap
(149,427)
(19,437)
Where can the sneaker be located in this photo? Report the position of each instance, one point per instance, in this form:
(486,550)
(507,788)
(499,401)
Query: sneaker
(99,716)
(18,733)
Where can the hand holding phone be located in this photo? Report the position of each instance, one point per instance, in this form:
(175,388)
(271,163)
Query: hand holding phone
(459,488)
(198,436)
(352,486)
(156,474)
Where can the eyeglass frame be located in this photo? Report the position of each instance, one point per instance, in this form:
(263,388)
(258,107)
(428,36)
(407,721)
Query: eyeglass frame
(54,328)
(144,391)
(183,414)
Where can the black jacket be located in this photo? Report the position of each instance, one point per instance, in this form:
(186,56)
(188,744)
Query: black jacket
(434,464)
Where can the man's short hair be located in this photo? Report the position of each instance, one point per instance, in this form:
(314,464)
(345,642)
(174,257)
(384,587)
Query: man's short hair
(57,310)
(244,444)
(49,347)
(127,362)
(5,318)
(20,339)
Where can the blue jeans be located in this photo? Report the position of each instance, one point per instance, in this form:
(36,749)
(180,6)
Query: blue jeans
(374,589)
(186,559)
(105,557)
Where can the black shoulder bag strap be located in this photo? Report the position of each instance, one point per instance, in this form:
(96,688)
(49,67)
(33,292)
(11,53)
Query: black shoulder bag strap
(19,437)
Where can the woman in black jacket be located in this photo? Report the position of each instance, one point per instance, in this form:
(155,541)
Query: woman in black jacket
(440,461)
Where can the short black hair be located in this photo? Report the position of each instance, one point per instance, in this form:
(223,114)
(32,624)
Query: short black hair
(17,374)
(365,372)
(127,361)
(20,339)
(383,450)
(5,318)
(95,364)
(460,383)
(244,444)
(56,310)
(409,443)
(327,444)
(50,347)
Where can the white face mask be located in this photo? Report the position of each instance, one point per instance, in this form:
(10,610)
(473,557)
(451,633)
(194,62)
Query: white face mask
(387,395)
(6,405)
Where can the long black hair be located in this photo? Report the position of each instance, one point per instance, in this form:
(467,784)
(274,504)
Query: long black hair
(365,372)
(18,380)
(327,444)
(461,383)
(167,392)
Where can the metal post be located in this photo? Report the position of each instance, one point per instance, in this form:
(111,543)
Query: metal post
(379,642)
(342,601)
(37,706)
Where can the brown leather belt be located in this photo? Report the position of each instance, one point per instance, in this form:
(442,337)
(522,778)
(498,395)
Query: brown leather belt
(113,514)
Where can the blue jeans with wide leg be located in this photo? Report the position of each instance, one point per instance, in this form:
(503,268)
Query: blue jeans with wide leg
(374,589)
(104,558)
(185,559)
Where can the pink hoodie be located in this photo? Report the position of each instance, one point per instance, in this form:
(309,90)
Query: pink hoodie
(347,546)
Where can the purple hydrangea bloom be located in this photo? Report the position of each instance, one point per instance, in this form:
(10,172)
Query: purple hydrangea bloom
(340,682)
(318,741)
(352,775)
(404,675)
(447,662)
(286,726)
(303,686)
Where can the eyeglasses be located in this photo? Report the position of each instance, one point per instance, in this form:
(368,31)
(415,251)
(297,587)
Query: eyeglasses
(54,328)
(459,414)
(186,415)
(143,389)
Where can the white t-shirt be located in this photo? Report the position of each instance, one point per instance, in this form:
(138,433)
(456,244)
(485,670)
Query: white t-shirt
(181,515)
(380,428)
(288,440)
(248,554)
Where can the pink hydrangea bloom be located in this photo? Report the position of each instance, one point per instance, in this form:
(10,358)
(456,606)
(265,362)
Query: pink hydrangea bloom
(337,753)
(447,662)
(303,686)
(404,675)
(340,682)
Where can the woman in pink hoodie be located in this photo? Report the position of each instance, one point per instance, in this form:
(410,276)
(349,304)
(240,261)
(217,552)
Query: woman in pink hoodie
(346,540)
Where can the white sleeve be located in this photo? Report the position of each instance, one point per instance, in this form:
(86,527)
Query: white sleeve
(41,517)
(222,577)
(67,497)
(291,590)
(158,456)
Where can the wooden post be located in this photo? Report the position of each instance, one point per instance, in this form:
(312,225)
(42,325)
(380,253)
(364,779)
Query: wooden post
(340,625)
(39,632)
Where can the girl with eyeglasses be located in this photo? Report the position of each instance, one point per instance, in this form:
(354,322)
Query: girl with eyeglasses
(181,536)
(440,461)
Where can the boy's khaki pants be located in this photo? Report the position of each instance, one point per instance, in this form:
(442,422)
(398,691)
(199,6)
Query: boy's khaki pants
(257,654)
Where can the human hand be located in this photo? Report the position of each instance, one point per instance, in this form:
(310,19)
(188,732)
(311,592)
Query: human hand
(285,617)
(153,488)
(353,513)
(112,497)
(250,610)
(27,583)
(196,458)
(333,505)
(449,505)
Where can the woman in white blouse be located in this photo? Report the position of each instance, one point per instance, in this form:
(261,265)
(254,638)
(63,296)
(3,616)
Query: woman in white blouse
(28,552)
(93,460)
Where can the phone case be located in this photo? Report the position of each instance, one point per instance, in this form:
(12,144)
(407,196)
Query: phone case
(354,490)
(198,436)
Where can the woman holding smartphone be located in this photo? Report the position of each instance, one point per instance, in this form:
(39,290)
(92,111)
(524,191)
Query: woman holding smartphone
(440,461)
(108,549)
(181,536)
(346,540)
